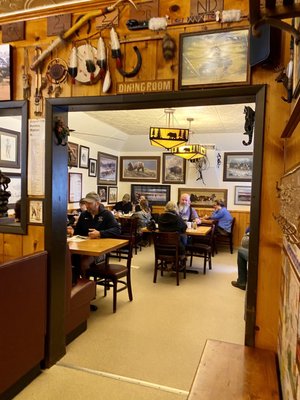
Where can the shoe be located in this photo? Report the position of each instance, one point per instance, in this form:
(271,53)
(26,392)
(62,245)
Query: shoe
(238,285)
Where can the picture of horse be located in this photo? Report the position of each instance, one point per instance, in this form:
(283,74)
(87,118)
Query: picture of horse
(140,169)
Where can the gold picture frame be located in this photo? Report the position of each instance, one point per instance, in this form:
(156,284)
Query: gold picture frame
(214,58)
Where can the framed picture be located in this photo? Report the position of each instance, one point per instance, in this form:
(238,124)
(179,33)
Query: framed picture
(5,72)
(75,187)
(84,157)
(72,154)
(214,58)
(155,194)
(296,62)
(204,198)
(173,169)
(242,195)
(9,148)
(107,169)
(36,211)
(14,187)
(92,167)
(140,169)
(112,194)
(238,167)
(102,191)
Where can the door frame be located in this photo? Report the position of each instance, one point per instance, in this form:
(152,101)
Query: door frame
(57,177)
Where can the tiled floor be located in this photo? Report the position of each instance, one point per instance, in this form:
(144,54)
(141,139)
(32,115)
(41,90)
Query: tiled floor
(151,347)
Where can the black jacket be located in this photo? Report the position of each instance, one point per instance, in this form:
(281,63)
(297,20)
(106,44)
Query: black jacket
(104,222)
(170,221)
(124,207)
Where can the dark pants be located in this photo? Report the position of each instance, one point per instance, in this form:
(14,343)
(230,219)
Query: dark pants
(242,261)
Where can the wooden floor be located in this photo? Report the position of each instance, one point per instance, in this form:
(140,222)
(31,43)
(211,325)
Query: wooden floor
(230,371)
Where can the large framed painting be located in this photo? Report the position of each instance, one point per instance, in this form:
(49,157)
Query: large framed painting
(107,169)
(173,169)
(155,194)
(204,198)
(5,72)
(214,58)
(238,167)
(140,169)
(9,148)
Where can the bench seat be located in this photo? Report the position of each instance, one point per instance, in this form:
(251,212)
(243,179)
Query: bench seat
(230,371)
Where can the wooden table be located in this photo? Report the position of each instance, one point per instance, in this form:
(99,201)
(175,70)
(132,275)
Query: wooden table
(96,247)
(200,231)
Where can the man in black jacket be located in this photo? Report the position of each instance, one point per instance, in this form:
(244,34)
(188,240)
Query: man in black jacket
(96,222)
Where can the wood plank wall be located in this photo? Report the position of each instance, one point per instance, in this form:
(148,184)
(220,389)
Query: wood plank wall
(155,67)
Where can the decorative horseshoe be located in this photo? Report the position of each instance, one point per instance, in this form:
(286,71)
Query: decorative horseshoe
(136,68)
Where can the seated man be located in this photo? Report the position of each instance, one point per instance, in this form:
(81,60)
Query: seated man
(222,216)
(96,222)
(242,261)
(186,211)
(124,205)
(171,221)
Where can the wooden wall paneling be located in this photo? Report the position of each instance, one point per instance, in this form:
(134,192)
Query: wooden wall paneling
(1,247)
(34,240)
(12,246)
(269,265)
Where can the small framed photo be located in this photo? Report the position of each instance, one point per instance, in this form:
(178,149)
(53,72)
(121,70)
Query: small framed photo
(84,157)
(112,194)
(14,187)
(107,169)
(75,187)
(140,169)
(5,72)
(72,154)
(92,167)
(242,195)
(102,191)
(36,212)
(9,148)
(214,58)
(238,167)
(173,170)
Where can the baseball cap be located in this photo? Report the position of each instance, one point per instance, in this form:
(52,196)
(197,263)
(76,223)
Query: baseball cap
(90,197)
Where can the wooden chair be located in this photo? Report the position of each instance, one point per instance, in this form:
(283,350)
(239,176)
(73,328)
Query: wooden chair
(109,275)
(167,256)
(129,229)
(224,240)
(202,246)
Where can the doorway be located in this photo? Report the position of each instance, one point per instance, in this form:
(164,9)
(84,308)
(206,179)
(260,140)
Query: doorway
(56,193)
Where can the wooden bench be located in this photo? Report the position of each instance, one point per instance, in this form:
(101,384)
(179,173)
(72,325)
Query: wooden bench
(230,371)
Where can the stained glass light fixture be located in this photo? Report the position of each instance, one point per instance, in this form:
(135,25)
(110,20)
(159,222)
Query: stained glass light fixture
(189,151)
(168,136)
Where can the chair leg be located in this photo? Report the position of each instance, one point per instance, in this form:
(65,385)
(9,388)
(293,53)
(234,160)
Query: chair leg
(231,247)
(191,260)
(115,296)
(209,261)
(204,265)
(155,272)
(129,288)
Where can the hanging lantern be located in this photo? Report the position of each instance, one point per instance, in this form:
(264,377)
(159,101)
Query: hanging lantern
(190,151)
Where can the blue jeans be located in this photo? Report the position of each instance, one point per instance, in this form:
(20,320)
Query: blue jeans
(242,261)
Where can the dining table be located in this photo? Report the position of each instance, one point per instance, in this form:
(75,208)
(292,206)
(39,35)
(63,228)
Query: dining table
(95,247)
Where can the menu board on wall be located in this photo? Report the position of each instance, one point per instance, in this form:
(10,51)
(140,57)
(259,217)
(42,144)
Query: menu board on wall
(36,157)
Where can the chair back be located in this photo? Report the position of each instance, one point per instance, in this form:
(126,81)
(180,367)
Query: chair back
(166,244)
(225,239)
(125,253)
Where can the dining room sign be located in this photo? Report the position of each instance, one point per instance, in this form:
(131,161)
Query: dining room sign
(159,85)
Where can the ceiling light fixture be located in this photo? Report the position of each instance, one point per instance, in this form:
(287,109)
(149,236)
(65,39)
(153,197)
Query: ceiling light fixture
(168,137)
(189,151)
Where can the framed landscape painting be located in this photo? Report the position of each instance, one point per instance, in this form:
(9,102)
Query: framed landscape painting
(238,167)
(204,197)
(155,194)
(242,195)
(140,169)
(214,58)
(5,72)
(107,169)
